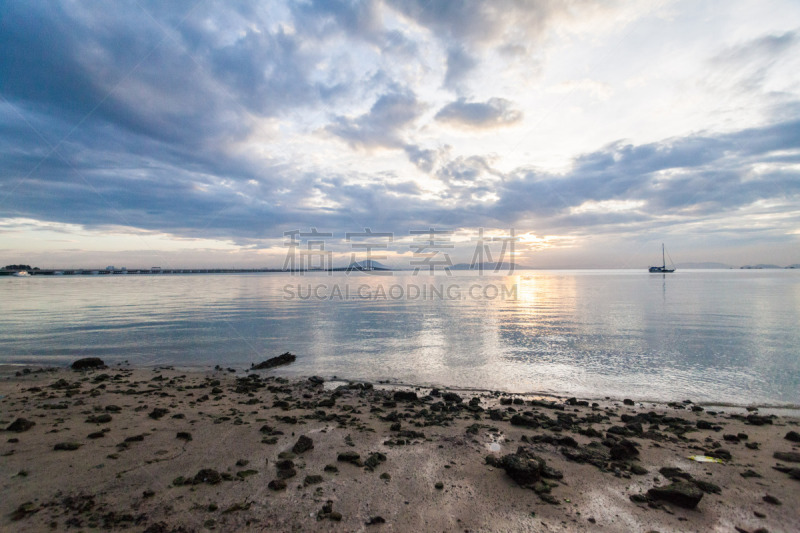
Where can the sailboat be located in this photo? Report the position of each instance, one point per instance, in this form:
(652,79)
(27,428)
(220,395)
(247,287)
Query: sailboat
(663,268)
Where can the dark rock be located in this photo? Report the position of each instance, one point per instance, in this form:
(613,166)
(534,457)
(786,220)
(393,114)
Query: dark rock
(303,444)
(184,435)
(451,397)
(331,468)
(772,500)
(704,424)
(88,363)
(405,396)
(749,473)
(24,510)
(67,446)
(793,436)
(349,457)
(789,457)
(627,401)
(638,498)
(157,413)
(277,484)
(312,479)
(96,435)
(283,359)
(21,424)
(374,460)
(707,487)
(327,402)
(374,520)
(681,494)
(439,485)
(720,453)
(525,421)
(524,468)
(596,455)
(284,464)
(623,450)
(99,419)
(207,475)
(758,420)
(316,380)
(638,470)
(672,472)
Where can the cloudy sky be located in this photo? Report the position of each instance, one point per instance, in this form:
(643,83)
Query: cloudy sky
(196,133)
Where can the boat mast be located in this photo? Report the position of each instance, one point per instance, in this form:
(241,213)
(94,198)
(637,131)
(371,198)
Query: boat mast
(663,261)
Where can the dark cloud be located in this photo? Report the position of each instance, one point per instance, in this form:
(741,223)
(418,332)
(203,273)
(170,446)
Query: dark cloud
(459,65)
(127,117)
(688,177)
(382,125)
(494,113)
(425,159)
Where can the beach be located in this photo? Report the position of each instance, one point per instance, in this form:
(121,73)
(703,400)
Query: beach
(202,449)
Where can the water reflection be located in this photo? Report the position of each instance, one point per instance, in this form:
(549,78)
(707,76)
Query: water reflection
(592,333)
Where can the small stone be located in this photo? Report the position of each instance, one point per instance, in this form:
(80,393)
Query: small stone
(313,479)
(374,520)
(67,446)
(184,435)
(790,457)
(25,509)
(88,363)
(303,444)
(792,436)
(405,396)
(349,457)
(209,476)
(628,401)
(157,413)
(99,419)
(772,500)
(20,424)
(681,494)
(277,484)
(386,476)
(331,468)
(439,485)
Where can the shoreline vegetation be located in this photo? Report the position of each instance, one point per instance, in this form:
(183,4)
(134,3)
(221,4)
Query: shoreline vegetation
(175,450)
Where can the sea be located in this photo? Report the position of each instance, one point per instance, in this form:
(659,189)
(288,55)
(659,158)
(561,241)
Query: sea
(714,336)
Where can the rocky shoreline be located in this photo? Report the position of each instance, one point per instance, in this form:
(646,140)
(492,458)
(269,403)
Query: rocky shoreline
(163,450)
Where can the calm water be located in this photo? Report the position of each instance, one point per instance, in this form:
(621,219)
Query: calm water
(727,336)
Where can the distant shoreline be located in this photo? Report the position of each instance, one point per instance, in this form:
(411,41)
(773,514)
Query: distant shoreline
(172,271)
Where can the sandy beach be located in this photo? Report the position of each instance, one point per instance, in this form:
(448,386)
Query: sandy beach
(171,450)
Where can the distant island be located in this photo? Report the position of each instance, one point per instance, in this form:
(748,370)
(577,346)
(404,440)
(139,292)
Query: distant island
(356,266)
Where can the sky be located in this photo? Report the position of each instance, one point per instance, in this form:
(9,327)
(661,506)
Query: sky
(201,134)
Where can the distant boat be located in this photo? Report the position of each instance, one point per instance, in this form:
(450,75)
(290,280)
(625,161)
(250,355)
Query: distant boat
(663,268)
(21,273)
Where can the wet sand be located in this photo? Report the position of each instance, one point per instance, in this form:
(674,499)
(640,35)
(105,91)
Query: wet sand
(162,450)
